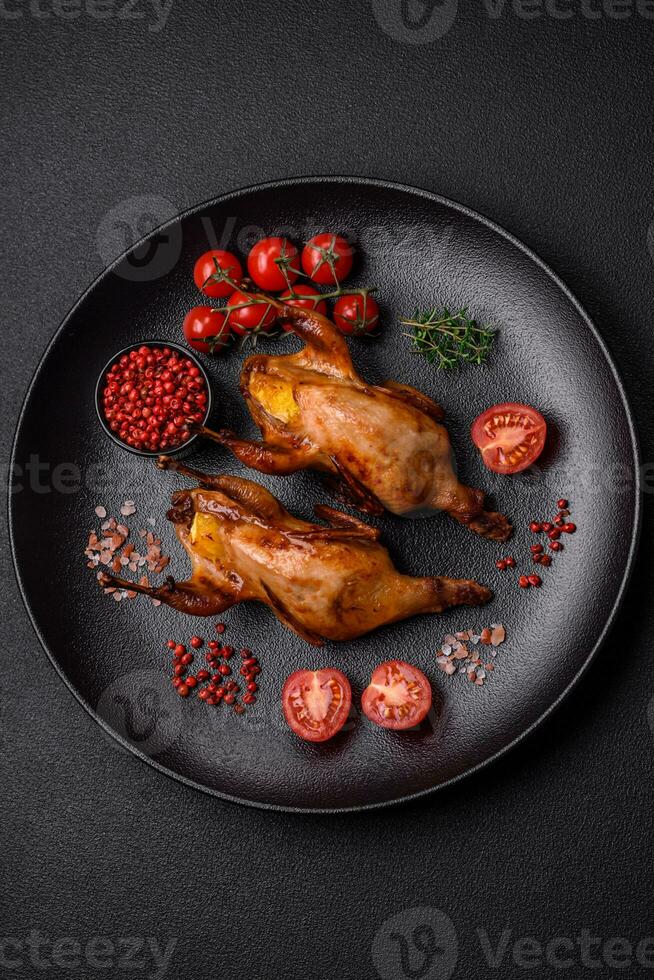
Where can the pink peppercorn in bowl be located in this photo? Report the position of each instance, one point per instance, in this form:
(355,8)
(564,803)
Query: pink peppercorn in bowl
(149,396)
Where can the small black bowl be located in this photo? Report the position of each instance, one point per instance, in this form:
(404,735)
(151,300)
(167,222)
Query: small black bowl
(101,384)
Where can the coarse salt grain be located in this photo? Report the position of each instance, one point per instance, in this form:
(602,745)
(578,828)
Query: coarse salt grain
(498,635)
(467,662)
(116,552)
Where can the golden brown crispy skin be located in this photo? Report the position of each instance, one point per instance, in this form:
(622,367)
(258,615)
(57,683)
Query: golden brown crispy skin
(334,582)
(384,445)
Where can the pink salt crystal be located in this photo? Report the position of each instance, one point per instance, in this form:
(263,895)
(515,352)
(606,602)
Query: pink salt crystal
(498,635)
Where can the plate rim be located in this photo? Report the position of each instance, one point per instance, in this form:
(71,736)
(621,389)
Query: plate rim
(341,179)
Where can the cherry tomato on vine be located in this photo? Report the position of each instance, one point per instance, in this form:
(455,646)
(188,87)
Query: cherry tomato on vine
(304,297)
(204,324)
(316,703)
(327,259)
(273,263)
(255,314)
(356,314)
(213,263)
(398,696)
(509,436)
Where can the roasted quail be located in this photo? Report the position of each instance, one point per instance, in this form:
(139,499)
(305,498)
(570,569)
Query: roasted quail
(383,445)
(335,582)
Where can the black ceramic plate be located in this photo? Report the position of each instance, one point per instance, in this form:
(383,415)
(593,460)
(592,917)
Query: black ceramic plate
(420,250)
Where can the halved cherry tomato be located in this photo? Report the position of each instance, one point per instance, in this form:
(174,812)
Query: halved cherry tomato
(509,436)
(327,259)
(398,696)
(317,703)
(356,314)
(304,297)
(206,329)
(215,263)
(273,263)
(253,313)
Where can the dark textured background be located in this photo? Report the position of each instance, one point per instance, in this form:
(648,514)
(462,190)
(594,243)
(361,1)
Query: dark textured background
(545,125)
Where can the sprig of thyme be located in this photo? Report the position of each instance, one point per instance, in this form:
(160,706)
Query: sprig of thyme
(449,339)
